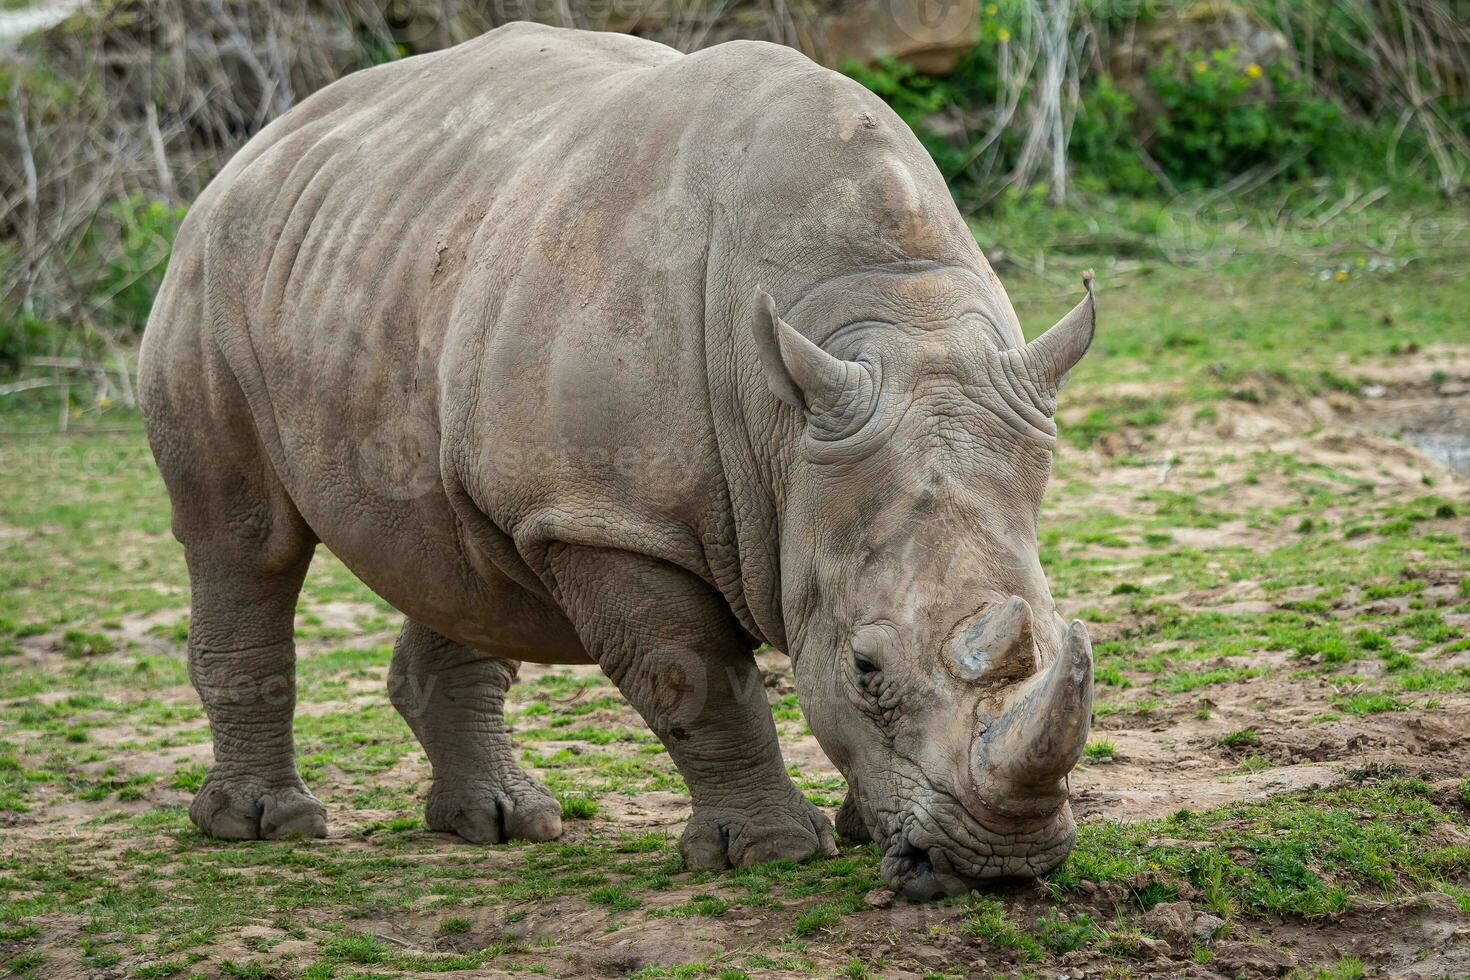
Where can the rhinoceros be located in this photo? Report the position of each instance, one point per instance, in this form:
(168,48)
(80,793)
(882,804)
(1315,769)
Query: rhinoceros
(580,350)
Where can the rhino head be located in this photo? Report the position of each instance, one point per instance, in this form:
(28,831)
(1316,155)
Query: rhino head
(930,661)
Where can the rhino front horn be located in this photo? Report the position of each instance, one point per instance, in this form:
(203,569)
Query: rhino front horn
(1041,367)
(1042,734)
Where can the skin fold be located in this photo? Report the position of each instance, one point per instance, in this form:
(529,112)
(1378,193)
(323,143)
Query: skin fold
(580,350)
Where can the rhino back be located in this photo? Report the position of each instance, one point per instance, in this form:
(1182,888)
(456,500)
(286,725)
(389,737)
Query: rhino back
(490,299)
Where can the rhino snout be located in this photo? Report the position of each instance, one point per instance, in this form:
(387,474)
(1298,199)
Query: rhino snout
(1006,815)
(954,852)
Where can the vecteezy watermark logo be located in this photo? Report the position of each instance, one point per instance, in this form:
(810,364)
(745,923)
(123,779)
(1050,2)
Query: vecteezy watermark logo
(399,459)
(933,21)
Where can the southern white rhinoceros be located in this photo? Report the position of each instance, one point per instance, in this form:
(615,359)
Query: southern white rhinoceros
(577,349)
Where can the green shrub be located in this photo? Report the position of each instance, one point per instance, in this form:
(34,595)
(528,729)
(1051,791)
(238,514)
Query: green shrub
(1103,146)
(130,246)
(1221,119)
(21,333)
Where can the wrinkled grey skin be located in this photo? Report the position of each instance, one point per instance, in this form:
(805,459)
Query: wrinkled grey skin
(576,349)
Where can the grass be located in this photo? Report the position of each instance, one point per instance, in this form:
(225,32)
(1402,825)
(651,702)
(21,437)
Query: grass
(1251,568)
(1368,703)
(988,919)
(1302,854)
(1237,739)
(578,807)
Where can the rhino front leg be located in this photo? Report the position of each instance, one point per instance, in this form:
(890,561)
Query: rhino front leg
(671,645)
(453,698)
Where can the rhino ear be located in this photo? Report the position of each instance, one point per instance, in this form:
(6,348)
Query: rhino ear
(1046,363)
(836,395)
(768,327)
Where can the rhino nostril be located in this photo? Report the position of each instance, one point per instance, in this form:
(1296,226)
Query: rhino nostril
(914,861)
(913,874)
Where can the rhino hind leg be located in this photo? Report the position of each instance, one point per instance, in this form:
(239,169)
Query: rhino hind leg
(247,549)
(453,698)
(242,661)
(245,573)
(675,651)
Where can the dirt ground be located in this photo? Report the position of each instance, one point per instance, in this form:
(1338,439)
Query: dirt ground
(1276,519)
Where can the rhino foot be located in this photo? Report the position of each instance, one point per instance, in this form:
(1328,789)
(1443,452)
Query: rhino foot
(723,838)
(245,809)
(489,813)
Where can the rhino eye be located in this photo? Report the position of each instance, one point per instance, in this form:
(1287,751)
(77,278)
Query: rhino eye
(868,645)
(869,678)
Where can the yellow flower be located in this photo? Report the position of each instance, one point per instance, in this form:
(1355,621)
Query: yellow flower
(991,10)
(76,413)
(1340,275)
(103,401)
(1200,67)
(1253,70)
(1004,35)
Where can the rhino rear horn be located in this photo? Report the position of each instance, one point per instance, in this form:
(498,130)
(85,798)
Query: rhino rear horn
(997,647)
(837,396)
(1043,366)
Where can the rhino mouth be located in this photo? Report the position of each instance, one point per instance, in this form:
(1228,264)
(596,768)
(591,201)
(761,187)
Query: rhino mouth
(940,848)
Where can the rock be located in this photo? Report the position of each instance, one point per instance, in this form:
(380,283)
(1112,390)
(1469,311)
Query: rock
(879,898)
(1188,30)
(1212,25)
(1153,949)
(1171,921)
(1207,927)
(294,947)
(930,956)
(1243,959)
(930,36)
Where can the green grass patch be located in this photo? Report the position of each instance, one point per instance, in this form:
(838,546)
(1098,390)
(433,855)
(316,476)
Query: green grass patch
(1301,854)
